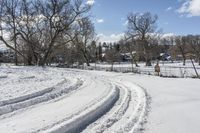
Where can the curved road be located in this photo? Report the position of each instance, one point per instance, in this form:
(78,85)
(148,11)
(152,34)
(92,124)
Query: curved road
(99,104)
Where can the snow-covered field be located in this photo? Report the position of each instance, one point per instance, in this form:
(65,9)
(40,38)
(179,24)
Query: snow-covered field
(34,99)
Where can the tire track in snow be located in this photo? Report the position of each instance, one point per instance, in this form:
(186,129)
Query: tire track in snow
(66,86)
(127,115)
(80,121)
(90,112)
(60,89)
(133,118)
(113,115)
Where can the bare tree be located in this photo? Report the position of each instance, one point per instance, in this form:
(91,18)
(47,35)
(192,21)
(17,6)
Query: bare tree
(194,42)
(58,20)
(83,36)
(93,51)
(8,25)
(181,43)
(130,47)
(11,13)
(41,25)
(112,56)
(142,26)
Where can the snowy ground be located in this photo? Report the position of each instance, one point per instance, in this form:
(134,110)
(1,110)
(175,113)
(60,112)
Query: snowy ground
(65,100)
(175,103)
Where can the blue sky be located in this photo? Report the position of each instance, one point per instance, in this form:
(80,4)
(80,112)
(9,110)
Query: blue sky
(174,16)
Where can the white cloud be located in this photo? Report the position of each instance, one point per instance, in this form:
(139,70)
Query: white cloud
(110,38)
(125,23)
(190,8)
(169,8)
(116,37)
(90,2)
(166,35)
(100,20)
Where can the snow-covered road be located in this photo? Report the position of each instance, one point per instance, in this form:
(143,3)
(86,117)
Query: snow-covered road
(80,99)
(175,102)
(94,102)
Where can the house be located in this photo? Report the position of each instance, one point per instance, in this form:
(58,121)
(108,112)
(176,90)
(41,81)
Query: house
(127,57)
(164,57)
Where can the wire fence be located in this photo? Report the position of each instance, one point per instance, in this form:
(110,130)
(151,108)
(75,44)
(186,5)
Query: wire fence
(165,71)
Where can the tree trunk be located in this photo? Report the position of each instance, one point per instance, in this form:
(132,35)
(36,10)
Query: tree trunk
(86,58)
(112,66)
(29,61)
(184,59)
(16,60)
(148,61)
(199,61)
(146,53)
(183,54)
(135,62)
(15,46)
(41,62)
(132,65)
